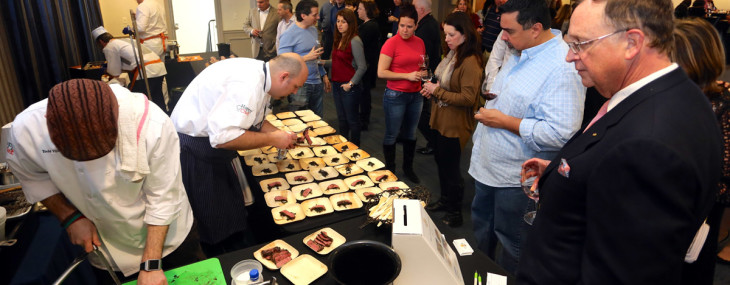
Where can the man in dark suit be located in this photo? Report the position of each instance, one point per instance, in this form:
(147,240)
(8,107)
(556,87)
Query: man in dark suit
(429,31)
(623,200)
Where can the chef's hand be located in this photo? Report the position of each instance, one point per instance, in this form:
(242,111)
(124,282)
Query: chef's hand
(283,140)
(533,167)
(156,277)
(313,54)
(327,84)
(82,232)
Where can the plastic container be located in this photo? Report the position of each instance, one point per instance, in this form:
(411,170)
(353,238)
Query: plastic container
(240,273)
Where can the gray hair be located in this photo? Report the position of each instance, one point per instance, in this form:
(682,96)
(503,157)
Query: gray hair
(423,3)
(653,17)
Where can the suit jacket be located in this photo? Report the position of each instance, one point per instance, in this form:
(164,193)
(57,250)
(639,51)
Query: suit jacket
(641,181)
(430,32)
(268,32)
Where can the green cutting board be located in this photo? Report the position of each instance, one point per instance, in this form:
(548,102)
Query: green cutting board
(208,271)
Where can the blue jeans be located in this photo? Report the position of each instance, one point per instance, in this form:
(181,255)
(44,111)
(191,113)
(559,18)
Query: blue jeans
(497,215)
(309,96)
(401,109)
(347,104)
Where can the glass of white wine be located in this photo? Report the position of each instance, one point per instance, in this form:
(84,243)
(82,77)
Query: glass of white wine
(530,189)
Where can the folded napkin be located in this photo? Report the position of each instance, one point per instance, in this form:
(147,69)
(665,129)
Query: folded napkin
(131,141)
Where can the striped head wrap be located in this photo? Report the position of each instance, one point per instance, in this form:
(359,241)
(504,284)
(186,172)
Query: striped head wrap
(82,118)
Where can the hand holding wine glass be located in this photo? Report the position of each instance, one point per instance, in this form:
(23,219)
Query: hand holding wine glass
(529,186)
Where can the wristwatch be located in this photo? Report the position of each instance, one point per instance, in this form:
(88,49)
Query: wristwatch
(151,265)
(350,84)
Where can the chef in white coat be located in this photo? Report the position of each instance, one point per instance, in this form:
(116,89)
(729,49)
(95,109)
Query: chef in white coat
(80,153)
(151,26)
(221,111)
(121,57)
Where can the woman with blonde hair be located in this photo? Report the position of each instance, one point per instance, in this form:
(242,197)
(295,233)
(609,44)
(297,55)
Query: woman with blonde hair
(699,51)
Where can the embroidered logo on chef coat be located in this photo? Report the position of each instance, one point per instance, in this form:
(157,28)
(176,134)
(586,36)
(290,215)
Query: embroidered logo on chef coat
(10,149)
(244,109)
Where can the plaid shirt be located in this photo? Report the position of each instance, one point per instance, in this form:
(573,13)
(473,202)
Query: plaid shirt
(545,91)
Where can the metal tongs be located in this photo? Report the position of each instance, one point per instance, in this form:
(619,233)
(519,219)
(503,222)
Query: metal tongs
(78,260)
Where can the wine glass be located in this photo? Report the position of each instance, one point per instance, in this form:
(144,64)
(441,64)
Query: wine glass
(426,77)
(485,92)
(533,193)
(318,45)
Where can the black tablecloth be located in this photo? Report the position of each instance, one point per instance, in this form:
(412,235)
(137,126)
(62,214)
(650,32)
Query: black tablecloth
(350,229)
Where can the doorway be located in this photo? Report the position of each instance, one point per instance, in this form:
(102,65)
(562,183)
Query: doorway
(195,26)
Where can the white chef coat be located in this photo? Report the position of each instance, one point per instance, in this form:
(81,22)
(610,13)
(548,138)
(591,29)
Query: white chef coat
(226,99)
(120,209)
(121,57)
(151,22)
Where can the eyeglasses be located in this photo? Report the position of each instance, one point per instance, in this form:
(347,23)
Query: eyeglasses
(577,47)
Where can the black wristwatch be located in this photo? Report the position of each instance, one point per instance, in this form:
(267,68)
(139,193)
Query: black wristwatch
(151,265)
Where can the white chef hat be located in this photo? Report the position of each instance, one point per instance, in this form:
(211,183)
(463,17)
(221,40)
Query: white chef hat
(98,32)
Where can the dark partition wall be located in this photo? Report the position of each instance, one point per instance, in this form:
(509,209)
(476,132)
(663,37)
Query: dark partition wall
(46,37)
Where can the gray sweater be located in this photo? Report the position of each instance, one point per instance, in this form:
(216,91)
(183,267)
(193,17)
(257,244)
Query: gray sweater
(358,60)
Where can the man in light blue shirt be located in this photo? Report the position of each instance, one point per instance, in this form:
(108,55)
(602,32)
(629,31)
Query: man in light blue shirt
(301,38)
(539,106)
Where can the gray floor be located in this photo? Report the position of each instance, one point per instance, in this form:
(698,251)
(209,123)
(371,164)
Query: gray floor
(426,169)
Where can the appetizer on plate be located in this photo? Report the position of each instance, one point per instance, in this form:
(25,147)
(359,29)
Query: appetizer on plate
(309,163)
(288,165)
(317,124)
(356,154)
(291,122)
(367,194)
(348,169)
(310,118)
(287,214)
(277,183)
(345,146)
(278,198)
(345,201)
(276,254)
(324,173)
(317,207)
(255,159)
(359,181)
(380,176)
(306,191)
(301,152)
(324,241)
(333,186)
(322,151)
(264,169)
(299,177)
(370,164)
(335,159)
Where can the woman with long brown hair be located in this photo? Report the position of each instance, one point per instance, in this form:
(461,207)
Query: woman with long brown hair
(348,68)
(452,114)
(699,51)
